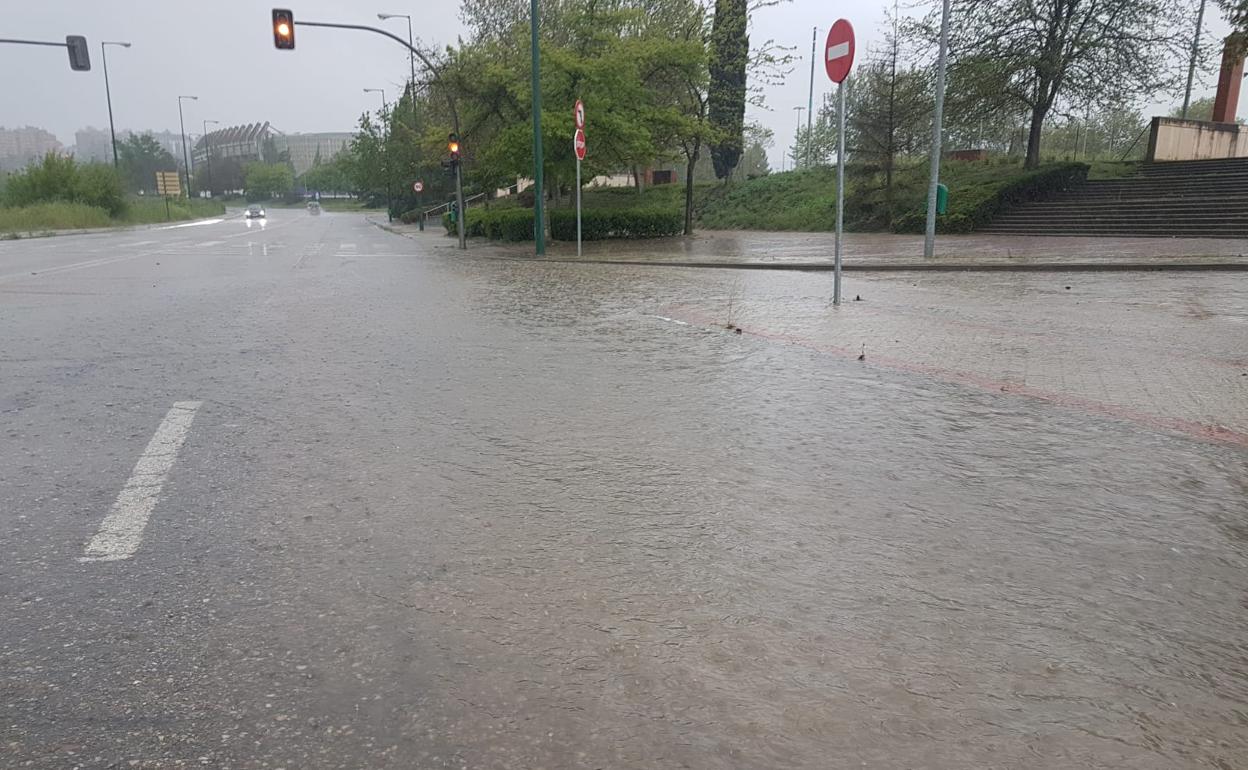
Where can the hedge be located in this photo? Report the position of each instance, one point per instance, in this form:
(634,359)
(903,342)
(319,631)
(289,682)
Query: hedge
(973,208)
(602,224)
(596,224)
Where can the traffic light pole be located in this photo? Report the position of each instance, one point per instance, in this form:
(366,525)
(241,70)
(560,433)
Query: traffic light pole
(539,187)
(459,187)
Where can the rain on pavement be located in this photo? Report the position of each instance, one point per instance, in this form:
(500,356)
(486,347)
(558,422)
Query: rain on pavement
(441,511)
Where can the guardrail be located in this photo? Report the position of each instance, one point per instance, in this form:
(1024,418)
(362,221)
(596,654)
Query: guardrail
(438,210)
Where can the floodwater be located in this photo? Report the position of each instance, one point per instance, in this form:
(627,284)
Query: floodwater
(440,511)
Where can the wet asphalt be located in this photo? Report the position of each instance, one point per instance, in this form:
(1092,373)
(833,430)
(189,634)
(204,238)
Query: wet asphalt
(439,511)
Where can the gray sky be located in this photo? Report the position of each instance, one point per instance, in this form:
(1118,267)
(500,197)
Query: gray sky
(223,53)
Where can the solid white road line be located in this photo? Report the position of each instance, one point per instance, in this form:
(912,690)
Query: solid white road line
(121,532)
(200,223)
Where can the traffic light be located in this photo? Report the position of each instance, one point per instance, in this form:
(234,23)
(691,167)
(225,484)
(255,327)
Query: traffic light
(283,29)
(79,55)
(452,144)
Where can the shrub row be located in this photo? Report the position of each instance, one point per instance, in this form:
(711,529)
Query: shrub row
(596,224)
(976,207)
(60,179)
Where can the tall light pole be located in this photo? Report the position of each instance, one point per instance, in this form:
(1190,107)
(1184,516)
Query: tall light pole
(186,158)
(108,93)
(411,56)
(1191,68)
(539,221)
(938,116)
(810,101)
(385,156)
(797,137)
(208,152)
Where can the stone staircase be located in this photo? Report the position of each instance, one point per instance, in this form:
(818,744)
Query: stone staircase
(1178,199)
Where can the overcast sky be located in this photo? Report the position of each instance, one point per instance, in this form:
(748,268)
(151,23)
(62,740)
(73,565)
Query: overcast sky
(223,53)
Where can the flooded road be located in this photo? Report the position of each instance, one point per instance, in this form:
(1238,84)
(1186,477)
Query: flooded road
(446,512)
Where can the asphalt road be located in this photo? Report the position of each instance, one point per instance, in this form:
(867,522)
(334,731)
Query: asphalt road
(314,495)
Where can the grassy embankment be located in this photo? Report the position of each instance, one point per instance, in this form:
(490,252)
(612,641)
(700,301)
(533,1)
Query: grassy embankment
(46,217)
(806,200)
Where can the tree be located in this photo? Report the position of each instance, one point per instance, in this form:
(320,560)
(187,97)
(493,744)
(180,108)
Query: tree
(268,180)
(140,156)
(729,57)
(889,109)
(1237,14)
(1033,55)
(1199,109)
(754,160)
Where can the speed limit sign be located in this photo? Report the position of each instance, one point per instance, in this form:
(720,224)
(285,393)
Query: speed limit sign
(419,186)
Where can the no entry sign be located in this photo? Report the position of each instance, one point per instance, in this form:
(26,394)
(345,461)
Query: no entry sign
(578,144)
(839,53)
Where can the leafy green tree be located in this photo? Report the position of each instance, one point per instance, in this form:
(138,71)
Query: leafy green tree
(140,156)
(754,160)
(1035,55)
(729,59)
(267,180)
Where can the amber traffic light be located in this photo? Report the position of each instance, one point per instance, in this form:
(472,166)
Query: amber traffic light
(452,144)
(283,29)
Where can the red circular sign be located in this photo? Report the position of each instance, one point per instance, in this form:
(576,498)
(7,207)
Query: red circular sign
(839,52)
(579,114)
(419,187)
(578,144)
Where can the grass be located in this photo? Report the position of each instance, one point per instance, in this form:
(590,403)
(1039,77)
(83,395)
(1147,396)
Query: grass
(45,217)
(146,211)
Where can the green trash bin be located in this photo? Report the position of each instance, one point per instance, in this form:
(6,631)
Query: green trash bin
(942,199)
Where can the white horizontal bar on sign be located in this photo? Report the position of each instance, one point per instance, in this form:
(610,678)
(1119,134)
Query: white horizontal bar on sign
(838,51)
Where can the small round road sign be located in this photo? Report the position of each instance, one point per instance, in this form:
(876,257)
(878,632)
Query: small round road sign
(419,186)
(578,143)
(839,53)
(580,114)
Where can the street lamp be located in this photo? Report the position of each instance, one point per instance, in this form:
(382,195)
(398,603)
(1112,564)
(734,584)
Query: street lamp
(798,140)
(208,152)
(411,56)
(186,158)
(109,94)
(385,153)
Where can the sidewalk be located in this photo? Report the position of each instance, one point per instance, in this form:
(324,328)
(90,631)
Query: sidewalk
(885,251)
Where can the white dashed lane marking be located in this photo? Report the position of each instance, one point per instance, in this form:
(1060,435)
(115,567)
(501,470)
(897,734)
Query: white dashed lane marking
(121,532)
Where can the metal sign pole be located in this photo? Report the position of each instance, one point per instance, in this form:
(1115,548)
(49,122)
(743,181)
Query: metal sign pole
(929,240)
(578,208)
(840,188)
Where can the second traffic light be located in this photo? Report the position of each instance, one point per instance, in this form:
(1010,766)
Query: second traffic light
(283,29)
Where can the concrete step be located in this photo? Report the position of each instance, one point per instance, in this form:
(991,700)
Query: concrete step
(1115,233)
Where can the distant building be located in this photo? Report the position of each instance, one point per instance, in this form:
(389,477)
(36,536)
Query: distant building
(261,142)
(94,145)
(304,149)
(20,146)
(246,143)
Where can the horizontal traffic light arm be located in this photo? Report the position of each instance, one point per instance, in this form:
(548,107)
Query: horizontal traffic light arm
(86,59)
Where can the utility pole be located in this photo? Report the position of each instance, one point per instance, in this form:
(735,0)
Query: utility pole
(186,158)
(929,241)
(797,138)
(108,93)
(539,220)
(1191,68)
(208,152)
(810,101)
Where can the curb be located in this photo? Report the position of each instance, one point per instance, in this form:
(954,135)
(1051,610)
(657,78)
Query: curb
(892,267)
(99,230)
(946,267)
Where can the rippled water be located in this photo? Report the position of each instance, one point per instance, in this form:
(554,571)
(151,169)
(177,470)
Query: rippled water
(660,544)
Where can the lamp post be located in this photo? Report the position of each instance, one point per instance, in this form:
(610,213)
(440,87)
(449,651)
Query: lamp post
(186,158)
(208,152)
(108,93)
(385,154)
(411,56)
(797,141)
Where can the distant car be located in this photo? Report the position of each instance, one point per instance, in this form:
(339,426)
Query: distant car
(314,207)
(255,212)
